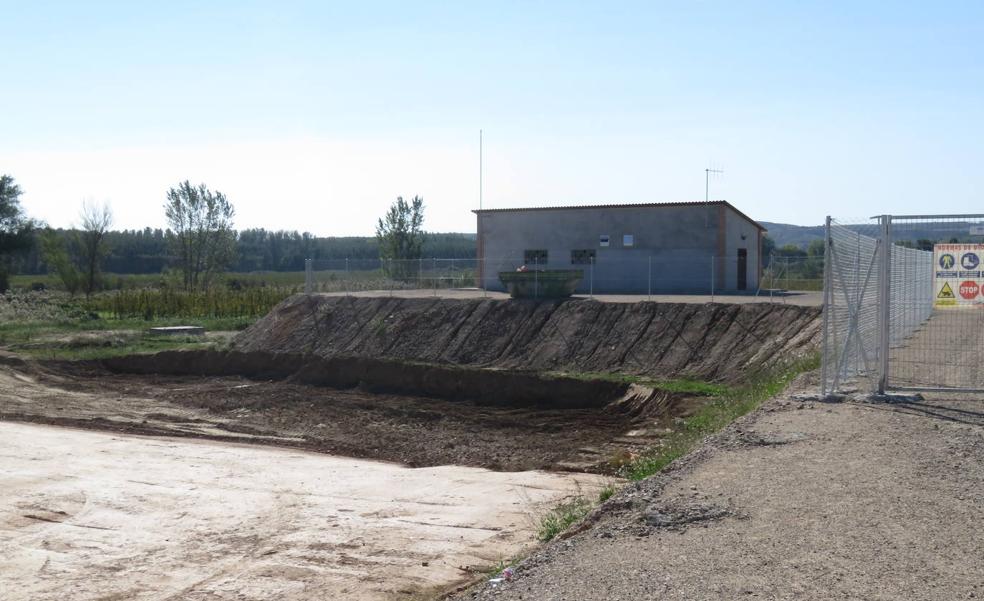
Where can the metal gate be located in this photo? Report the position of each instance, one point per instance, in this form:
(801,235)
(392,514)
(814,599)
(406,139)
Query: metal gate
(904,304)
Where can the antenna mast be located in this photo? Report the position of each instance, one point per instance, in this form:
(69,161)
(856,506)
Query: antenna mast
(479,170)
(707,181)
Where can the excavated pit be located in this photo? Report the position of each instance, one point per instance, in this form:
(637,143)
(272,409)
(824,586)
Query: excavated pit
(426,382)
(417,415)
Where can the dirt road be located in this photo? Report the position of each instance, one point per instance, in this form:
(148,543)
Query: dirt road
(93,515)
(796,501)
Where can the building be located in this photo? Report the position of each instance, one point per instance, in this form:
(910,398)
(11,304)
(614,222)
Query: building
(682,247)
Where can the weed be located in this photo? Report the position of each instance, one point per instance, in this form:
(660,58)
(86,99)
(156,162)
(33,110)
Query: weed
(378,326)
(607,492)
(681,385)
(718,413)
(562,516)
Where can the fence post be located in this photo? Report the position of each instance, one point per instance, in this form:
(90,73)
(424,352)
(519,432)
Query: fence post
(885,300)
(649,285)
(827,290)
(308,277)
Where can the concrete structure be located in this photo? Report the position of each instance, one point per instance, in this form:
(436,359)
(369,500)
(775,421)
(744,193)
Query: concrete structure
(668,248)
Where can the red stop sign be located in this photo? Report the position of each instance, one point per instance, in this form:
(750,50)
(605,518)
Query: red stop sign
(969,290)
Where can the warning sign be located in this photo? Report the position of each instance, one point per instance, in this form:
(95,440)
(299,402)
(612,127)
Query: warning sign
(958,279)
(969,290)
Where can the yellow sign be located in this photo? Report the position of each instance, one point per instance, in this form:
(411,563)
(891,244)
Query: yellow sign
(946,291)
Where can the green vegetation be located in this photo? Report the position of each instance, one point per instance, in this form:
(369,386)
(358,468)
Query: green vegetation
(607,492)
(681,385)
(562,516)
(52,325)
(70,349)
(715,415)
(150,304)
(727,403)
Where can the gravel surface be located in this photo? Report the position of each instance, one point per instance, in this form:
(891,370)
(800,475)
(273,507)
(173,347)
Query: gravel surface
(799,500)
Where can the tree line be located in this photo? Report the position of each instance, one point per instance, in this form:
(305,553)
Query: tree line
(199,242)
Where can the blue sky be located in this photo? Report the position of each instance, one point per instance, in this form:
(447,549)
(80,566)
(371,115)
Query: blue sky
(314,116)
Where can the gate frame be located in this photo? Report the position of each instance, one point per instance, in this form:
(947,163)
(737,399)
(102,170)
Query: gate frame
(885,300)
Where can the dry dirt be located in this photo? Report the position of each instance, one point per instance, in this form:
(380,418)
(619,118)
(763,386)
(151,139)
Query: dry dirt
(709,341)
(799,500)
(412,430)
(87,516)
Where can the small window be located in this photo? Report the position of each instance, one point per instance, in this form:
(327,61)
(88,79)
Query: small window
(628,240)
(582,257)
(603,240)
(535,257)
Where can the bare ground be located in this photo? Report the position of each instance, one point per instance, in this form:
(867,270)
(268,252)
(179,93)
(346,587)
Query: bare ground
(799,500)
(97,516)
(412,430)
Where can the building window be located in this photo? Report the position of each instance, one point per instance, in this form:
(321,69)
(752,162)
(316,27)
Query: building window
(628,240)
(535,257)
(603,240)
(582,257)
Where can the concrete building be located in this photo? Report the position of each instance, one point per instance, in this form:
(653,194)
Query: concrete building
(682,247)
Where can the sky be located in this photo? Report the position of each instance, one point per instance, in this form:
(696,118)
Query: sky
(315,116)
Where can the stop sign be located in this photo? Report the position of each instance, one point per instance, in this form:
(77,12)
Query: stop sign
(969,290)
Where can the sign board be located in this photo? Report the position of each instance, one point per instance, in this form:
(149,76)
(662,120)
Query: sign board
(958,275)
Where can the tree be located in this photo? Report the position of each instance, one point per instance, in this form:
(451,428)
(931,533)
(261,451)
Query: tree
(54,253)
(400,236)
(204,242)
(768,247)
(96,220)
(15,228)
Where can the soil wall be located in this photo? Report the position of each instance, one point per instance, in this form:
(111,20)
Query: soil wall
(483,386)
(710,341)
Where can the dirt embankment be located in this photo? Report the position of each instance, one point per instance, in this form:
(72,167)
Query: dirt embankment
(482,386)
(711,341)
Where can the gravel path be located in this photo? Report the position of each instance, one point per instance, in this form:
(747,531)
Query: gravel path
(799,500)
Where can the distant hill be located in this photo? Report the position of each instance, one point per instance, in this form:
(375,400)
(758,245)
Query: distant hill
(802,235)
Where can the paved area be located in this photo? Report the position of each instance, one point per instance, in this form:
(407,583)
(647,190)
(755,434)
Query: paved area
(90,515)
(809,299)
(800,500)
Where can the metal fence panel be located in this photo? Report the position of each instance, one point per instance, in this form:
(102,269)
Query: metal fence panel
(884,325)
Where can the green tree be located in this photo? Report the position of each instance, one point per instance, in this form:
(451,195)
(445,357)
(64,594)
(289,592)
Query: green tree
(204,243)
(401,237)
(15,228)
(54,253)
(91,240)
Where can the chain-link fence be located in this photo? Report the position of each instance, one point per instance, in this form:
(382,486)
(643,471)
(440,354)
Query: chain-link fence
(900,309)
(638,274)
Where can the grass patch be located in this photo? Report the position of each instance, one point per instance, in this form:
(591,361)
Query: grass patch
(562,516)
(607,492)
(146,344)
(681,385)
(715,415)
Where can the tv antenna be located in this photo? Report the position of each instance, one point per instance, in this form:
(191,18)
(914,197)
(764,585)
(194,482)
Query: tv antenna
(707,182)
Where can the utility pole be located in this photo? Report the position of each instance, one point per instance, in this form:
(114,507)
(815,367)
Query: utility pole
(479,170)
(707,181)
